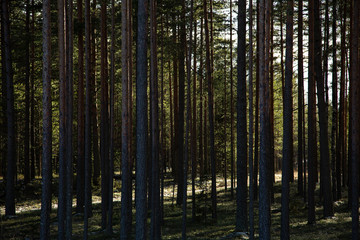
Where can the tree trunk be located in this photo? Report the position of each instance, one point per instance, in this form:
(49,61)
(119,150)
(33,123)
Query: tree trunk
(27,96)
(141,122)
(62,123)
(104,119)
(80,178)
(288,126)
(264,191)
(323,118)
(87,163)
(241,163)
(312,143)
(300,156)
(334,130)
(193,132)
(251,124)
(69,119)
(155,232)
(232,150)
(355,131)
(125,223)
(111,131)
(47,126)
(211,115)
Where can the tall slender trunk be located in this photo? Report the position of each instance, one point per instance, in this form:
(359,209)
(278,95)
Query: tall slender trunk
(264,187)
(155,232)
(342,119)
(312,143)
(211,114)
(32,93)
(27,96)
(94,118)
(334,130)
(300,156)
(111,131)
(288,126)
(80,175)
(104,119)
(181,113)
(323,117)
(188,117)
(251,124)
(241,163)
(62,122)
(69,118)
(87,160)
(125,223)
(47,126)
(10,114)
(232,150)
(193,134)
(256,145)
(355,131)
(141,121)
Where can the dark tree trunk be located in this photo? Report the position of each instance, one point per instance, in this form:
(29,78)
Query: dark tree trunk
(256,145)
(69,119)
(323,118)
(232,149)
(188,117)
(355,131)
(125,223)
(155,232)
(94,118)
(32,101)
(87,163)
(27,96)
(300,156)
(334,130)
(201,135)
(62,123)
(111,131)
(193,131)
(10,115)
(288,126)
(141,122)
(80,178)
(104,119)
(312,143)
(342,107)
(241,162)
(211,115)
(264,188)
(47,126)
(180,135)
(251,125)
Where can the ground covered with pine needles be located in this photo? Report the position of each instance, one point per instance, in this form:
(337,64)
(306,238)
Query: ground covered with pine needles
(26,223)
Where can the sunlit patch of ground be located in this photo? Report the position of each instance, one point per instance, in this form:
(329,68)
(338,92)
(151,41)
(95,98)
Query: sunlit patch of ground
(26,222)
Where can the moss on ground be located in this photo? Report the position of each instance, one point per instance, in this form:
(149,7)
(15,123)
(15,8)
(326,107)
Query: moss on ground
(26,223)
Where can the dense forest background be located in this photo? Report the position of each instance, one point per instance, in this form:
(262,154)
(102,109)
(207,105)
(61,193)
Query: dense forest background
(156,119)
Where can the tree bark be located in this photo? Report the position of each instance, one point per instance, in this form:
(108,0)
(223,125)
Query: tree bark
(47,126)
(288,126)
(141,122)
(355,118)
(312,143)
(241,163)
(80,175)
(264,188)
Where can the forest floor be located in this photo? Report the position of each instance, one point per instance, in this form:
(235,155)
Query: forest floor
(25,225)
